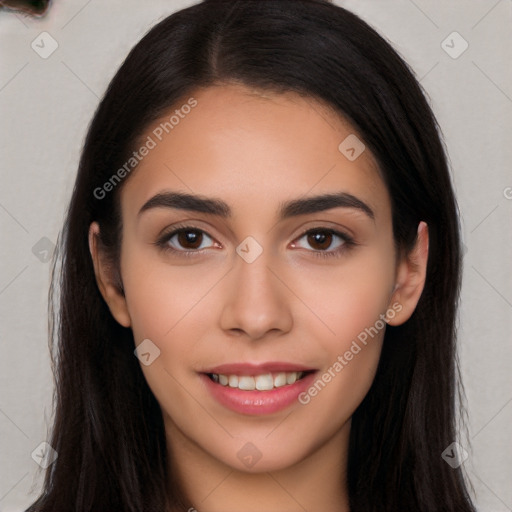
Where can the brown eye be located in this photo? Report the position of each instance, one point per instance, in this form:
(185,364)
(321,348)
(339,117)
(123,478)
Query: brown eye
(190,239)
(324,242)
(186,240)
(320,240)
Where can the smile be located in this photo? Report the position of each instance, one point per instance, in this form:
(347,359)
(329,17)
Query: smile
(257,389)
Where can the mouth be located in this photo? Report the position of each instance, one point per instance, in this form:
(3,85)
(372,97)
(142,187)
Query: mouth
(257,389)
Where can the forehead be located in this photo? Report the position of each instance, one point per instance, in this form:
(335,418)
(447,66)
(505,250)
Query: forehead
(251,146)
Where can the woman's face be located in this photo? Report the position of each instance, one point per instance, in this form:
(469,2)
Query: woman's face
(267,278)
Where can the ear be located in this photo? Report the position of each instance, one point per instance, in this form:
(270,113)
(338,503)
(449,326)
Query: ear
(105,278)
(410,278)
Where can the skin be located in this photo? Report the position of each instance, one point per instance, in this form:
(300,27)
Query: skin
(255,150)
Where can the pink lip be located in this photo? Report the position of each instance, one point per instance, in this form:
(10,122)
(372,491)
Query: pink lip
(257,402)
(257,368)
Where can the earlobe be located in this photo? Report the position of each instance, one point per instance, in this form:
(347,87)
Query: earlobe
(105,279)
(410,280)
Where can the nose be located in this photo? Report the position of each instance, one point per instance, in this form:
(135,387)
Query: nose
(256,303)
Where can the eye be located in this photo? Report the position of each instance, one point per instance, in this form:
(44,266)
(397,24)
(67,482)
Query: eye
(186,239)
(320,241)
(326,241)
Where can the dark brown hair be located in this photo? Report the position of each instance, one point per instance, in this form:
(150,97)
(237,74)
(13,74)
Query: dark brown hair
(108,429)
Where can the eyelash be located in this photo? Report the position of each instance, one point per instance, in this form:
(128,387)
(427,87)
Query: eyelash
(348,241)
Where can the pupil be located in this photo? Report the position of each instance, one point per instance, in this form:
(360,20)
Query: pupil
(320,240)
(190,239)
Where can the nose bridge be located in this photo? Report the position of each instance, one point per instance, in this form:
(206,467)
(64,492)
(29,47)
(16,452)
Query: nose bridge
(256,302)
(251,266)
(253,278)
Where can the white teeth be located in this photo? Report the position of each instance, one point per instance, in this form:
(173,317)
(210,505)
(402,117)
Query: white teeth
(280,380)
(264,382)
(246,383)
(291,377)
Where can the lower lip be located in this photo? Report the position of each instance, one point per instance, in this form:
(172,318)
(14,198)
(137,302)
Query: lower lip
(258,402)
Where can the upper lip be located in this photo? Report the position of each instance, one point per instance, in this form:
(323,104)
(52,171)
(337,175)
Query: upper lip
(257,368)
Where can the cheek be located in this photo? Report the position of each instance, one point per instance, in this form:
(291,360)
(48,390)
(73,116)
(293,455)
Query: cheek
(349,303)
(171,306)
(174,307)
(161,297)
(349,297)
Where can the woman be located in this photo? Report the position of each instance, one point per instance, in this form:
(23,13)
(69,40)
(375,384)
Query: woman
(260,275)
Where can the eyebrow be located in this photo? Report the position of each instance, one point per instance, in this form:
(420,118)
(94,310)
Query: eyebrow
(292,208)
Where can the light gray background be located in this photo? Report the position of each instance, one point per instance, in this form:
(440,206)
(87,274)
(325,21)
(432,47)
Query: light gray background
(46,105)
